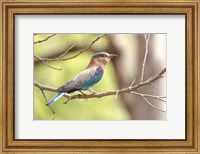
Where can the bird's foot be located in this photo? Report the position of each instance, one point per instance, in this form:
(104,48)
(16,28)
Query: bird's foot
(83,94)
(93,91)
(68,99)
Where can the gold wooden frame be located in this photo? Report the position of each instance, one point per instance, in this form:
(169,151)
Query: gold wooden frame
(189,8)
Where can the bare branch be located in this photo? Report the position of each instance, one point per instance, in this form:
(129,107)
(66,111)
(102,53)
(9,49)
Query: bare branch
(146,36)
(150,96)
(76,55)
(37,34)
(62,55)
(40,59)
(57,58)
(103,94)
(54,113)
(47,88)
(40,41)
(60,58)
(154,86)
(152,105)
(117,93)
(44,60)
(132,83)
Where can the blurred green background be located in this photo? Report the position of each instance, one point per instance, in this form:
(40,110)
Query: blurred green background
(106,108)
(119,73)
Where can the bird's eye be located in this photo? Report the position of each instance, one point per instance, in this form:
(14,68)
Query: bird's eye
(104,56)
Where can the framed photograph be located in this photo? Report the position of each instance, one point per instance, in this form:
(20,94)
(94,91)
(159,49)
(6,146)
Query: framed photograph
(99,76)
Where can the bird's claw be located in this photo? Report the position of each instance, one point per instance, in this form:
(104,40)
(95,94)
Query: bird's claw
(93,91)
(66,101)
(82,93)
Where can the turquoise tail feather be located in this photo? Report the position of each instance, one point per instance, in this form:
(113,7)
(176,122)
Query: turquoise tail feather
(55,98)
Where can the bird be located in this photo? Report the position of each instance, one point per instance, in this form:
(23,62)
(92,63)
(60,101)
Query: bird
(87,78)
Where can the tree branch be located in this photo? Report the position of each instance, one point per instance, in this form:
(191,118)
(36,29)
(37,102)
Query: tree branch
(54,113)
(151,104)
(108,93)
(40,59)
(60,58)
(150,96)
(147,37)
(40,41)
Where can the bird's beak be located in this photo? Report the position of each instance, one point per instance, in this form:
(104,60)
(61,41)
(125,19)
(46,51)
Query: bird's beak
(112,55)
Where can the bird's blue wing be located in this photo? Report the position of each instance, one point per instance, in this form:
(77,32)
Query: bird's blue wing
(78,80)
(69,87)
(82,81)
(96,77)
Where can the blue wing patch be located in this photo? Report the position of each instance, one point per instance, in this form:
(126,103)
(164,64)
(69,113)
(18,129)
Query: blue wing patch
(93,79)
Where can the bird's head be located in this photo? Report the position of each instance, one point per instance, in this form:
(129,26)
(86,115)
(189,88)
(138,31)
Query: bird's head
(100,59)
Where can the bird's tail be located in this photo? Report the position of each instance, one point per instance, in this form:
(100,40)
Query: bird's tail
(55,98)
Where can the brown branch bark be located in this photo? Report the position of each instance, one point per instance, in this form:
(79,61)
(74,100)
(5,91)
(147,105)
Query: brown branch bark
(40,41)
(103,94)
(60,58)
(40,59)
(147,37)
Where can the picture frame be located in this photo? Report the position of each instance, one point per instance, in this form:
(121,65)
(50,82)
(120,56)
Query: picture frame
(7,106)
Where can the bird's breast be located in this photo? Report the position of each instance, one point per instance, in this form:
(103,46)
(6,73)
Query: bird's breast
(99,71)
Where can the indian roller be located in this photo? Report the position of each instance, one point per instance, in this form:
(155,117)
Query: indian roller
(87,78)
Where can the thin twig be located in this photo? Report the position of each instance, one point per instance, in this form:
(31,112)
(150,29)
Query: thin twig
(44,60)
(40,59)
(54,113)
(40,41)
(132,83)
(146,36)
(152,104)
(154,86)
(150,96)
(62,55)
(117,93)
(36,34)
